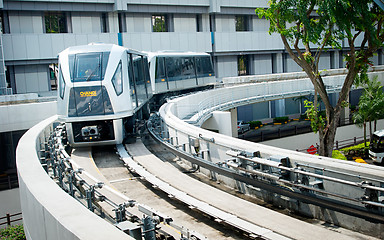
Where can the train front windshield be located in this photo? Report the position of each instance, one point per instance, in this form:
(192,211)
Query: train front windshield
(377,144)
(88,66)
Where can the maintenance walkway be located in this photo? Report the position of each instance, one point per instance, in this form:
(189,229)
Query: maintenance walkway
(276,222)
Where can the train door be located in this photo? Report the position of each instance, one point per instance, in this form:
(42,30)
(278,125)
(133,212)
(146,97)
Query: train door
(92,99)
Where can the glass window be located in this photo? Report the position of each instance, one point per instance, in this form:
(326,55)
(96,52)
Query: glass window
(88,66)
(53,71)
(199,23)
(187,68)
(61,84)
(159,23)
(377,144)
(242,23)
(117,80)
(160,70)
(173,66)
(242,65)
(55,22)
(104,23)
(139,78)
(132,86)
(204,67)
(147,78)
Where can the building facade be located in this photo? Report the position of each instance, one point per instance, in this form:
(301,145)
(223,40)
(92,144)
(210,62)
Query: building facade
(34,32)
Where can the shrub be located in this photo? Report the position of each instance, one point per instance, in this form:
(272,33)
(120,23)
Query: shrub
(280,119)
(357,150)
(254,124)
(15,232)
(338,155)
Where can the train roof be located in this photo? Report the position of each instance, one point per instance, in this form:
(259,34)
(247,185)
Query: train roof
(98,47)
(175,53)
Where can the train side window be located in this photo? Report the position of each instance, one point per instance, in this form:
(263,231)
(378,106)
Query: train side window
(132,85)
(139,78)
(204,67)
(147,78)
(160,70)
(61,84)
(187,68)
(174,66)
(117,80)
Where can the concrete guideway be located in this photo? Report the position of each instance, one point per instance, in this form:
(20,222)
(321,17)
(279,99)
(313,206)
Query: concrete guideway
(277,223)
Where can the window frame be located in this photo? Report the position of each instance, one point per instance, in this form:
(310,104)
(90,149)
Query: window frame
(118,69)
(164,23)
(243,25)
(62,22)
(61,83)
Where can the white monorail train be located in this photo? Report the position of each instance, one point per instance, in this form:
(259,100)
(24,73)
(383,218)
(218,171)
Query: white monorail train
(104,88)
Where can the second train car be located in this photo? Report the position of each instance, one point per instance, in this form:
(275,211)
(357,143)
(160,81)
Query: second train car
(104,88)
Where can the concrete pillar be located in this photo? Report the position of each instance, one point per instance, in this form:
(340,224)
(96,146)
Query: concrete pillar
(278,64)
(335,60)
(280,108)
(234,122)
(221,122)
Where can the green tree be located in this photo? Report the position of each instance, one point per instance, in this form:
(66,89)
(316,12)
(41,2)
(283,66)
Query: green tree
(370,107)
(309,27)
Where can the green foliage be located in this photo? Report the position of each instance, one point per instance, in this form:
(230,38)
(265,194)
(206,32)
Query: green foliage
(254,124)
(338,155)
(356,151)
(13,233)
(356,147)
(280,119)
(310,27)
(371,104)
(316,117)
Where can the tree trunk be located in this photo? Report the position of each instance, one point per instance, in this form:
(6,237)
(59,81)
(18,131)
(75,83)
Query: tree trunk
(370,129)
(327,136)
(365,133)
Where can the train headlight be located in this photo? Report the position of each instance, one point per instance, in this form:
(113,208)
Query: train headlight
(117,80)
(90,133)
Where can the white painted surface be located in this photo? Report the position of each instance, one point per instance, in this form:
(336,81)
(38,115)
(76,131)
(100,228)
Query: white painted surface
(23,116)
(220,121)
(48,211)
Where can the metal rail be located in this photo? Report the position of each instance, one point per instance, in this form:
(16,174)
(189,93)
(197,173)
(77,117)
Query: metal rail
(269,182)
(8,218)
(219,215)
(73,179)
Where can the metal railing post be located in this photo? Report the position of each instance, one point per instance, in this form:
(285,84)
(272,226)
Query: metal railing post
(8,219)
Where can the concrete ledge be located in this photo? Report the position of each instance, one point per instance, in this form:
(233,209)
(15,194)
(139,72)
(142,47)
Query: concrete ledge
(289,76)
(49,212)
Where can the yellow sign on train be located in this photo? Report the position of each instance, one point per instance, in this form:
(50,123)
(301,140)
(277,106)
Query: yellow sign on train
(88,94)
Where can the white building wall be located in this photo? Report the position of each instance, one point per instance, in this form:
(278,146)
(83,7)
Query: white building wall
(226,66)
(225,23)
(184,23)
(86,22)
(31,78)
(113,22)
(24,116)
(139,22)
(260,25)
(262,64)
(25,22)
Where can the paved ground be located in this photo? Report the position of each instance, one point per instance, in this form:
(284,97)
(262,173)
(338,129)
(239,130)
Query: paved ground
(271,131)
